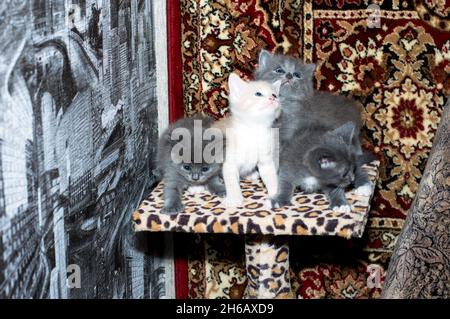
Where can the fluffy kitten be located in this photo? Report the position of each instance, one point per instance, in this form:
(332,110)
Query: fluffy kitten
(251,142)
(321,159)
(300,103)
(179,173)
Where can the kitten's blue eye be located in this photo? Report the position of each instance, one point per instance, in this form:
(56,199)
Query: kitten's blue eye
(258,94)
(187,167)
(297,75)
(280,71)
(205,168)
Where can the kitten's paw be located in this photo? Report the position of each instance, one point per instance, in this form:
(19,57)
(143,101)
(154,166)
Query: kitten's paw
(342,209)
(252,176)
(196,189)
(277,203)
(173,209)
(233,201)
(309,185)
(218,191)
(364,190)
(270,204)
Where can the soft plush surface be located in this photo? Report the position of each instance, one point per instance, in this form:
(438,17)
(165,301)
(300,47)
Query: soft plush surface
(399,71)
(267,265)
(310,214)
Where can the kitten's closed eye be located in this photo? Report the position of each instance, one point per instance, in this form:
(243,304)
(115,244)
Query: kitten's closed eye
(346,173)
(349,175)
(279,71)
(297,75)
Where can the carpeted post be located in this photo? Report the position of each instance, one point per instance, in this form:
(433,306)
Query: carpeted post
(267,265)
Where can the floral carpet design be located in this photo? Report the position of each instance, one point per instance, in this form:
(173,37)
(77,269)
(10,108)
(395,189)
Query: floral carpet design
(395,60)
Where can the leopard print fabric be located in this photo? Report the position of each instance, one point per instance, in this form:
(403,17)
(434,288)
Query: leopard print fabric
(204,213)
(267,266)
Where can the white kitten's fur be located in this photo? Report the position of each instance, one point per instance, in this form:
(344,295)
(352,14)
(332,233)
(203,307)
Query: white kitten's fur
(250,141)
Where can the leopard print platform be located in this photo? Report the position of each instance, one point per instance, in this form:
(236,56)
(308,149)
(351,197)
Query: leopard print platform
(310,214)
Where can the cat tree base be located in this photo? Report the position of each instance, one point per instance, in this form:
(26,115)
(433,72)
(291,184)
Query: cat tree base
(265,231)
(267,266)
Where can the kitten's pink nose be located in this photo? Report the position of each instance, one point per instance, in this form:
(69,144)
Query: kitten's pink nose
(273,102)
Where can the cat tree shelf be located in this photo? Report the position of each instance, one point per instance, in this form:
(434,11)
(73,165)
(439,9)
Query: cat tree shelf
(265,230)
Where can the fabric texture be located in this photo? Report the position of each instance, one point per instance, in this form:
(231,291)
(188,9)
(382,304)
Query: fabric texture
(267,265)
(78,129)
(420,266)
(399,69)
(205,213)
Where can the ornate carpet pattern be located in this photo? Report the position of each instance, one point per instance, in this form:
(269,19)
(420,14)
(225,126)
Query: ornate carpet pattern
(399,69)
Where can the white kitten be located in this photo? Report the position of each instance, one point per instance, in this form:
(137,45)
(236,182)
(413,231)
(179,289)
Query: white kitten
(250,141)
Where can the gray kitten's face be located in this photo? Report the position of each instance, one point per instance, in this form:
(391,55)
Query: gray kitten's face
(333,161)
(198,173)
(185,157)
(194,168)
(295,76)
(333,167)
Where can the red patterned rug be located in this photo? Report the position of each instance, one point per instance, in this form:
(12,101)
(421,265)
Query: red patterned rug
(399,69)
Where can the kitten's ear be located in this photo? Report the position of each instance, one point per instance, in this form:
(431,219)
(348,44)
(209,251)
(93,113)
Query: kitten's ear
(327,162)
(236,84)
(276,86)
(346,131)
(164,139)
(264,57)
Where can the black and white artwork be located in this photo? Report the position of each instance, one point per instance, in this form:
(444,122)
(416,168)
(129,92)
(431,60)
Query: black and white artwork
(78,134)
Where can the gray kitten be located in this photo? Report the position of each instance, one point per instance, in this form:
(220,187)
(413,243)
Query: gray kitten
(179,173)
(321,159)
(300,103)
